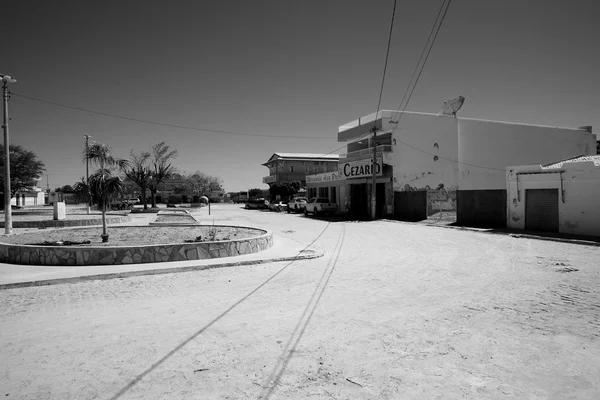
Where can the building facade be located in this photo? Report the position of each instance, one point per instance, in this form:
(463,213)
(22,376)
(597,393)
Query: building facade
(289,167)
(331,185)
(559,197)
(432,158)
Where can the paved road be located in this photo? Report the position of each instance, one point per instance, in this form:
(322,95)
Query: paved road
(392,311)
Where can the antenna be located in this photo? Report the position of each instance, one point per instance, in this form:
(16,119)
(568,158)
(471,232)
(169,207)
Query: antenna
(452,106)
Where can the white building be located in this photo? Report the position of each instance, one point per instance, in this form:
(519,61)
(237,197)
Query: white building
(422,153)
(560,197)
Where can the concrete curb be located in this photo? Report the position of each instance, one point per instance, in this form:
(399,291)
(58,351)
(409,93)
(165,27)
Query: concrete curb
(308,254)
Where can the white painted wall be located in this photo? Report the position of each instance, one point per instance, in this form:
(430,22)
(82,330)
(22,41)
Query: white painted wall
(418,169)
(499,145)
(580,211)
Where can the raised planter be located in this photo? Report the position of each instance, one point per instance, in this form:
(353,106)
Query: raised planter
(114,255)
(65,223)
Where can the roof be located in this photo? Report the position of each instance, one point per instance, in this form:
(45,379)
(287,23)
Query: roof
(303,157)
(578,159)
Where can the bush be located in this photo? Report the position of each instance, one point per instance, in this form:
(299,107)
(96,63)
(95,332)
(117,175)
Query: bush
(142,211)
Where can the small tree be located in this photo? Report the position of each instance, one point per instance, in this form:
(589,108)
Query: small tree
(160,167)
(104,184)
(255,193)
(285,189)
(25,169)
(138,171)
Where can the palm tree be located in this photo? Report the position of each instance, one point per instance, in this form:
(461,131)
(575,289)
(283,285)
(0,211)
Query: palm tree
(104,185)
(161,168)
(139,172)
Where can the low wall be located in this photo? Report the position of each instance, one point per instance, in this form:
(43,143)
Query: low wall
(50,223)
(81,256)
(481,208)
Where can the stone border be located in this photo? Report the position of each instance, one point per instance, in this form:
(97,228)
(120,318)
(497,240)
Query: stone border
(115,255)
(50,223)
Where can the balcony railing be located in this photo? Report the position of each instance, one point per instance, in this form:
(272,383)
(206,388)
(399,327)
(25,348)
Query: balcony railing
(365,153)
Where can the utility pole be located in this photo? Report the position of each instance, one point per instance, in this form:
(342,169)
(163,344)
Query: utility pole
(7,207)
(87,173)
(374,172)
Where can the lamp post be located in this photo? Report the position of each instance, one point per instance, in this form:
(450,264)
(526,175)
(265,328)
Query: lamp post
(7,210)
(87,173)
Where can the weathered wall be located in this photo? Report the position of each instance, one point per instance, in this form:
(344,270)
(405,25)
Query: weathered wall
(417,170)
(578,209)
(497,145)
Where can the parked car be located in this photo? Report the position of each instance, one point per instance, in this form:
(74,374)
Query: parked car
(132,201)
(320,205)
(296,204)
(257,204)
(278,207)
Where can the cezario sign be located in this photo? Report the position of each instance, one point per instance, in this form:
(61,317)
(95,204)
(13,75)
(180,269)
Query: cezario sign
(361,169)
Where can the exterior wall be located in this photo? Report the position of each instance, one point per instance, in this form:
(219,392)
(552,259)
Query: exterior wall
(499,145)
(414,169)
(579,200)
(28,198)
(332,181)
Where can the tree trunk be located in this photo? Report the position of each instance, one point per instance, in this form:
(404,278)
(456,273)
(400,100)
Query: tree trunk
(144,199)
(153,196)
(104,218)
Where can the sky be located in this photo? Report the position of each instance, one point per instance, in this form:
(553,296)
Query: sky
(296,70)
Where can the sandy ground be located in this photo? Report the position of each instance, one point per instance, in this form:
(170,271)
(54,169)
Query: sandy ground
(393,311)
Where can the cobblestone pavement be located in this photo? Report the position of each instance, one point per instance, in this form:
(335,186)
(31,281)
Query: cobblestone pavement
(393,310)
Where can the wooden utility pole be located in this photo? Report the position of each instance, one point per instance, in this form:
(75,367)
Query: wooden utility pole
(374,173)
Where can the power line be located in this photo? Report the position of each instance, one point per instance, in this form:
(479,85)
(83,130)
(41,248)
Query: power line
(387,54)
(165,124)
(418,71)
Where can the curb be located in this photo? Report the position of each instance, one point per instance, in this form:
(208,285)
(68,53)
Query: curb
(309,254)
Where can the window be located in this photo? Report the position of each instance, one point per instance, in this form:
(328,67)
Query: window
(333,194)
(291,168)
(323,192)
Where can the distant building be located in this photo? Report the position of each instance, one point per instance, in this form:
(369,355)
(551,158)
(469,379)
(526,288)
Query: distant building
(34,196)
(288,167)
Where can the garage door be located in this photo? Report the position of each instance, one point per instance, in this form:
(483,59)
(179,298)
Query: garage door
(541,209)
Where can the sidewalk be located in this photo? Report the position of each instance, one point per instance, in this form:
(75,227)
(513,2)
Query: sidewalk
(15,276)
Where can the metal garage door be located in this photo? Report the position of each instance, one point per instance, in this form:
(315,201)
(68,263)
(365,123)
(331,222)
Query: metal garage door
(541,209)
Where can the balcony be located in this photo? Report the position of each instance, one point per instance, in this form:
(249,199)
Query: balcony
(365,153)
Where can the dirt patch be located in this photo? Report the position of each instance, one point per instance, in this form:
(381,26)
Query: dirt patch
(135,236)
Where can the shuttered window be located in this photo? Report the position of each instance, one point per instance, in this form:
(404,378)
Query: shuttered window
(541,209)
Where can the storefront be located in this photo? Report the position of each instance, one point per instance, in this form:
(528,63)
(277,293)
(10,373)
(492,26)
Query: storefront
(359,183)
(331,185)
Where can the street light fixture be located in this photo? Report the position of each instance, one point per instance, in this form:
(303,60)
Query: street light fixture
(7,210)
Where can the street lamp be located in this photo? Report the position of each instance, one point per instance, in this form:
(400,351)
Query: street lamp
(7,210)
(87,173)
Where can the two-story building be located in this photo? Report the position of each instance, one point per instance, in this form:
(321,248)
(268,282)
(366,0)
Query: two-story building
(288,167)
(463,159)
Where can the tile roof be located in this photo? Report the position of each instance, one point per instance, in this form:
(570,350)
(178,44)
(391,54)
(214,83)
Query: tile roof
(579,159)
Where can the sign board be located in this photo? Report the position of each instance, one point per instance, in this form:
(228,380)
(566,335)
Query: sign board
(325,177)
(269,179)
(361,169)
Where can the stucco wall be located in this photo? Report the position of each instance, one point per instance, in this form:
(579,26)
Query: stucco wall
(414,169)
(578,214)
(499,145)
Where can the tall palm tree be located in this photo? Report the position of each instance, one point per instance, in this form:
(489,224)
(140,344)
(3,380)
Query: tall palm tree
(104,184)
(139,172)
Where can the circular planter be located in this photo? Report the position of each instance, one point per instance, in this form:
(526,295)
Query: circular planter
(65,223)
(82,255)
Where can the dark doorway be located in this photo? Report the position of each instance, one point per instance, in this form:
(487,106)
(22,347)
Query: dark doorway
(358,201)
(381,209)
